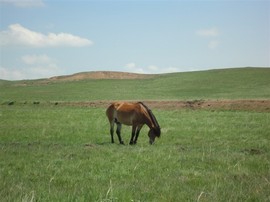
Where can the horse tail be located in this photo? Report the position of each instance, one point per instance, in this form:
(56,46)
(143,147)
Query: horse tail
(110,113)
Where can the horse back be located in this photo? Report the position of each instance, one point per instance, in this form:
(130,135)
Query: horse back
(126,113)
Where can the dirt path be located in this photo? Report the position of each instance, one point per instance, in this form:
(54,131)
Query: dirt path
(236,105)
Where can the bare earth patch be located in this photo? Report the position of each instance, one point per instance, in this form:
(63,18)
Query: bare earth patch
(100,75)
(242,105)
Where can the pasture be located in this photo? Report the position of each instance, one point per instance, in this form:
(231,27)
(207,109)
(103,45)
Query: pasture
(58,152)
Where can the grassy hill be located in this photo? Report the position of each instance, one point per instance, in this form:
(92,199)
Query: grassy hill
(238,83)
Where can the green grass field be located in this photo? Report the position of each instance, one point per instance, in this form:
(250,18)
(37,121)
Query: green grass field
(52,153)
(63,153)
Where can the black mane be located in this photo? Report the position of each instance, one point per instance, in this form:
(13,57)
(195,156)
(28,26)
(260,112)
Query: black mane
(153,118)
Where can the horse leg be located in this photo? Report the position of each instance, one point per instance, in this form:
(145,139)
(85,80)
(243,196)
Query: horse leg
(137,133)
(118,132)
(112,131)
(133,135)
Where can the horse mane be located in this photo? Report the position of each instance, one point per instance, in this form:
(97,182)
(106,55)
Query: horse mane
(153,118)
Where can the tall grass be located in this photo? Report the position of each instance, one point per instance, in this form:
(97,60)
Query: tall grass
(57,153)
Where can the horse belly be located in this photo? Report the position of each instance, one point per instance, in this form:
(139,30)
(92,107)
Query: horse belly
(126,118)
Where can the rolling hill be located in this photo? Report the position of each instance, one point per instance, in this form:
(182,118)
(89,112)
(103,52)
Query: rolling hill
(100,75)
(237,83)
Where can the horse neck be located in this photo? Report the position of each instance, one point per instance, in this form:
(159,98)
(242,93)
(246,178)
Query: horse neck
(153,123)
(150,119)
(149,122)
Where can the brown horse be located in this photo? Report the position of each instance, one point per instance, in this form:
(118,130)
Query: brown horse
(135,115)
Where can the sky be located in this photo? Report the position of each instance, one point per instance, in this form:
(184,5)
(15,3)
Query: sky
(46,38)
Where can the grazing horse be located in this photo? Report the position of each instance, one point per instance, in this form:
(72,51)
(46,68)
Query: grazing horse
(135,115)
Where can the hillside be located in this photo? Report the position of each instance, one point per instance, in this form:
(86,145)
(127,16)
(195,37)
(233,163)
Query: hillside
(239,83)
(100,75)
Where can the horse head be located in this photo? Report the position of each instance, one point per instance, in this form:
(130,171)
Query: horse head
(153,133)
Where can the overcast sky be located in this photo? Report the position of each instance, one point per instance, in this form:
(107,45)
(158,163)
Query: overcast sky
(40,38)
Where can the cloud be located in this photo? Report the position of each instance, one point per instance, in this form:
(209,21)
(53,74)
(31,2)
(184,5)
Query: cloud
(151,69)
(11,74)
(24,3)
(36,59)
(212,32)
(31,72)
(19,35)
(37,66)
(132,67)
